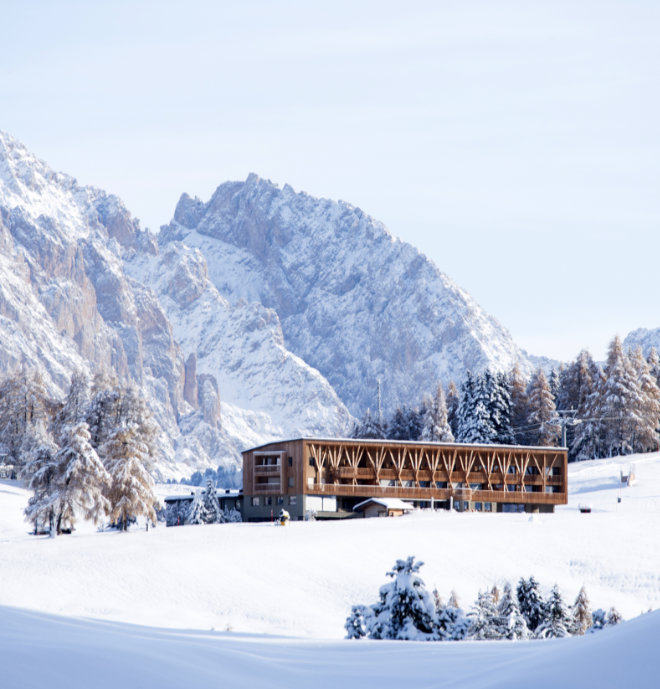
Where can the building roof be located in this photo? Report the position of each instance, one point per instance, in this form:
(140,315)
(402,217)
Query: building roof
(388,503)
(413,443)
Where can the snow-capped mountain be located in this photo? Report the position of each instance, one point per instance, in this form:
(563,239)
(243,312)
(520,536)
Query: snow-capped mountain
(644,338)
(262,313)
(354,302)
(72,297)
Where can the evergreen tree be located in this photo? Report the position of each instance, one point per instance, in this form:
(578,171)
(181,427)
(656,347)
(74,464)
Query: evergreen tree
(41,473)
(435,425)
(196,512)
(620,400)
(484,618)
(452,399)
(81,478)
(367,427)
(581,619)
(399,428)
(511,623)
(614,617)
(519,406)
(653,361)
(556,623)
(128,456)
(589,440)
(645,432)
(475,422)
(542,416)
(530,602)
(212,512)
(554,382)
(501,410)
(404,611)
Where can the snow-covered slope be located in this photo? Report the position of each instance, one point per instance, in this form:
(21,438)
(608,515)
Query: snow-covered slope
(354,302)
(303,579)
(38,650)
(209,592)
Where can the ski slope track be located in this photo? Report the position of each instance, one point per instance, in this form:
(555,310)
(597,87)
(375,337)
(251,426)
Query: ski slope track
(241,604)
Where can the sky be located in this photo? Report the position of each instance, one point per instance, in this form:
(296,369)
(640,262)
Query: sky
(515,143)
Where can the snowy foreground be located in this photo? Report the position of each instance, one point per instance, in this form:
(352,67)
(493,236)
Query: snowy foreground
(240,603)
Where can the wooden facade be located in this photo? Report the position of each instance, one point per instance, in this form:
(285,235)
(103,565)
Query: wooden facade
(486,477)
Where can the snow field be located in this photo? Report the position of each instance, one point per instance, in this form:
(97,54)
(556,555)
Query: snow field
(284,593)
(302,579)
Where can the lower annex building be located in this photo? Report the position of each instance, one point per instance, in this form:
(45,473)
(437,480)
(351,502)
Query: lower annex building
(329,477)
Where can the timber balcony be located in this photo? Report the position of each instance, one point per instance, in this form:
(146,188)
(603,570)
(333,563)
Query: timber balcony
(419,493)
(267,470)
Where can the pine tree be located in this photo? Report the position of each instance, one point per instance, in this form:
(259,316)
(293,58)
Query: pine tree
(128,456)
(484,618)
(645,433)
(398,428)
(501,410)
(452,399)
(620,400)
(580,616)
(530,602)
(405,609)
(196,511)
(519,406)
(554,383)
(435,425)
(556,623)
(542,415)
(367,427)
(653,361)
(41,473)
(511,623)
(212,512)
(589,440)
(81,479)
(475,422)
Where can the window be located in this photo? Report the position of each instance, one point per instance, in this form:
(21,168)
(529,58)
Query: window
(291,481)
(268,501)
(290,461)
(255,502)
(280,500)
(488,507)
(293,499)
(310,481)
(311,461)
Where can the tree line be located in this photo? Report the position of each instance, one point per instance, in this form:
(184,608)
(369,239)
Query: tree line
(89,455)
(406,610)
(609,410)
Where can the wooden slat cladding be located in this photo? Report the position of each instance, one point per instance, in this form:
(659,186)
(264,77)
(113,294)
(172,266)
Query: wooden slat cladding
(418,471)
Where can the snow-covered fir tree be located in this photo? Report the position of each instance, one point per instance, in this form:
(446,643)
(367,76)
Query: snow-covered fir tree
(128,457)
(212,512)
(196,512)
(81,478)
(405,609)
(556,623)
(475,422)
(74,408)
(645,433)
(530,602)
(398,427)
(435,424)
(452,400)
(511,623)
(368,427)
(484,618)
(232,516)
(554,382)
(542,416)
(620,401)
(519,407)
(653,361)
(500,406)
(24,401)
(41,473)
(580,614)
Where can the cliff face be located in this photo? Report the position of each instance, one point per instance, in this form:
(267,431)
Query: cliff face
(83,287)
(354,302)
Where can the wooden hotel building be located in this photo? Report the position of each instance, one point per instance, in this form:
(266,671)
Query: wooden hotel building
(328,477)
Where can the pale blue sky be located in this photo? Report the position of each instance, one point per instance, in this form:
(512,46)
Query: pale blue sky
(516,143)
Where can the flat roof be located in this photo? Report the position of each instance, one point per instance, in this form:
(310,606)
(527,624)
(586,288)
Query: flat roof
(387,441)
